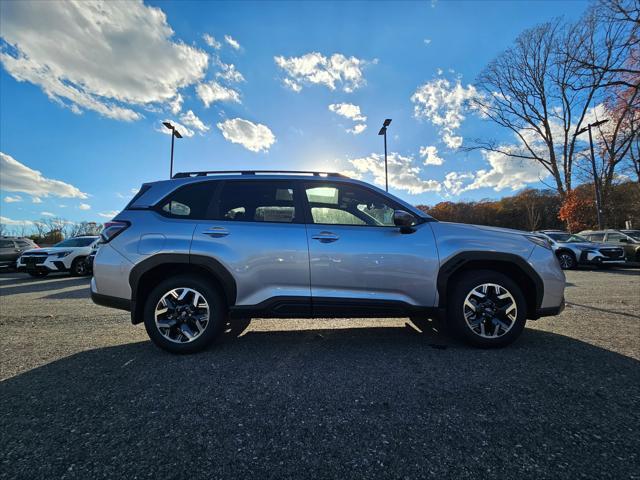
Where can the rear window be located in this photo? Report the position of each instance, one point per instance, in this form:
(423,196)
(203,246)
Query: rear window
(189,201)
(6,244)
(260,201)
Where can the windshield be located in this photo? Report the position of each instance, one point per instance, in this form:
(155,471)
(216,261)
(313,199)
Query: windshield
(76,242)
(567,238)
(635,234)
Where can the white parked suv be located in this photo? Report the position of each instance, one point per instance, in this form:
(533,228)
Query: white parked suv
(66,256)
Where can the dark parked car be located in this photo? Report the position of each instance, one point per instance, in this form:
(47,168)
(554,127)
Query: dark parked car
(11,248)
(627,239)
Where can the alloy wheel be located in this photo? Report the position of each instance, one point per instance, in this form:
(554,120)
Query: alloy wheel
(490,310)
(182,315)
(566,261)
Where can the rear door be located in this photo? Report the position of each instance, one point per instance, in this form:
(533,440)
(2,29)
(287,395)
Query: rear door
(8,251)
(359,259)
(256,230)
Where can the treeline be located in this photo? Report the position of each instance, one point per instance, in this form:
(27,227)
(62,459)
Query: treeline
(50,230)
(544,209)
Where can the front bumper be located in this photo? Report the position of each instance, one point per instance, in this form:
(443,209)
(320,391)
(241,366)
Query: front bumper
(597,258)
(44,264)
(549,311)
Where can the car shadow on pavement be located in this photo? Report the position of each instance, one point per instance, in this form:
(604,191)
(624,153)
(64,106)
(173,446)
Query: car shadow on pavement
(353,402)
(604,310)
(43,285)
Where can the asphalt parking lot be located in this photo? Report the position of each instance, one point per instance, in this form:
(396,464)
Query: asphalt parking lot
(84,394)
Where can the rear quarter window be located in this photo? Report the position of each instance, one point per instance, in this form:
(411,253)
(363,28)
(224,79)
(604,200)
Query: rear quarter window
(189,201)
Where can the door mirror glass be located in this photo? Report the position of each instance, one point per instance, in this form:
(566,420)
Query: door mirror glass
(403,219)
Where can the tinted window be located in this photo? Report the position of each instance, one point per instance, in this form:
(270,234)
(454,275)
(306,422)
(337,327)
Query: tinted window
(615,237)
(22,243)
(257,202)
(76,242)
(6,244)
(596,237)
(342,204)
(190,201)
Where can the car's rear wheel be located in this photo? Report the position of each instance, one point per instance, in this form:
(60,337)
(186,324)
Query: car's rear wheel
(567,260)
(184,314)
(79,267)
(486,309)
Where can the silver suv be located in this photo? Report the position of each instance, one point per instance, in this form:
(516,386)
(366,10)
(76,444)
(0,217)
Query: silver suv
(189,253)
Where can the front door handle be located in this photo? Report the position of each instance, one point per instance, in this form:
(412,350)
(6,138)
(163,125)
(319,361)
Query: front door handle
(326,237)
(216,232)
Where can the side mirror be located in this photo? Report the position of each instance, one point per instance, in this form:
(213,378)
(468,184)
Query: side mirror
(404,220)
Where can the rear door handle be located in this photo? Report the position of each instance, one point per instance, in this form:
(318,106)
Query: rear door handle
(216,232)
(326,237)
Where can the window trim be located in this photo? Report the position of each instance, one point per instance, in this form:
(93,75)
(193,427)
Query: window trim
(337,184)
(214,208)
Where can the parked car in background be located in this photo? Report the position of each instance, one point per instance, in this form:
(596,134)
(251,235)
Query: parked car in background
(66,256)
(89,260)
(629,240)
(188,253)
(11,248)
(573,250)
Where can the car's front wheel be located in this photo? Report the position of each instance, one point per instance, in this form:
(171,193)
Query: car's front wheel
(486,309)
(184,314)
(79,267)
(567,260)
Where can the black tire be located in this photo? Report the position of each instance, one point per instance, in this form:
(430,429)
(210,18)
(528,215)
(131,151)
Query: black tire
(567,260)
(457,323)
(79,267)
(38,274)
(218,313)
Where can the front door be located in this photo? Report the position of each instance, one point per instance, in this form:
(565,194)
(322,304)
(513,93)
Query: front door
(359,258)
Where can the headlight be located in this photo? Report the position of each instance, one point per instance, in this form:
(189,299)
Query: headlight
(541,242)
(588,249)
(62,254)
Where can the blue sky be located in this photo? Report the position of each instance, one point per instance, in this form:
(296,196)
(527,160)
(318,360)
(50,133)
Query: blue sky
(82,104)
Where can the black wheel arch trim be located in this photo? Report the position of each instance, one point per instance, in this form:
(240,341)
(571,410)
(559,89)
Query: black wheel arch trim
(213,266)
(458,261)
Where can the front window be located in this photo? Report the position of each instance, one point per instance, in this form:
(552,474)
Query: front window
(343,204)
(616,237)
(76,242)
(635,234)
(596,237)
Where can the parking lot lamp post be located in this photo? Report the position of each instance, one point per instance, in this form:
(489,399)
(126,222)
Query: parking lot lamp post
(174,133)
(596,183)
(383,131)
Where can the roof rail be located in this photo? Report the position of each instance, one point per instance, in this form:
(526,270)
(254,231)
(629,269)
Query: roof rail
(255,172)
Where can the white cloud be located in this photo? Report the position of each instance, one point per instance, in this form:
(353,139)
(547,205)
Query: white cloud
(214,92)
(176,104)
(455,182)
(211,41)
(507,172)
(47,214)
(233,43)
(84,206)
(36,200)
(252,136)
(427,41)
(182,130)
(10,221)
(357,129)
(109,215)
(444,104)
(403,174)
(193,121)
(430,155)
(12,199)
(17,177)
(98,55)
(229,73)
(348,110)
(315,68)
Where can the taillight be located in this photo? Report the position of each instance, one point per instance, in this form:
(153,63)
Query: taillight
(112,229)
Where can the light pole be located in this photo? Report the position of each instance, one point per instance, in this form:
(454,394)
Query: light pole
(174,133)
(383,131)
(596,182)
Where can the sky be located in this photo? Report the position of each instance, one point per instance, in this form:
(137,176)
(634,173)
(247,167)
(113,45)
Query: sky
(85,87)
